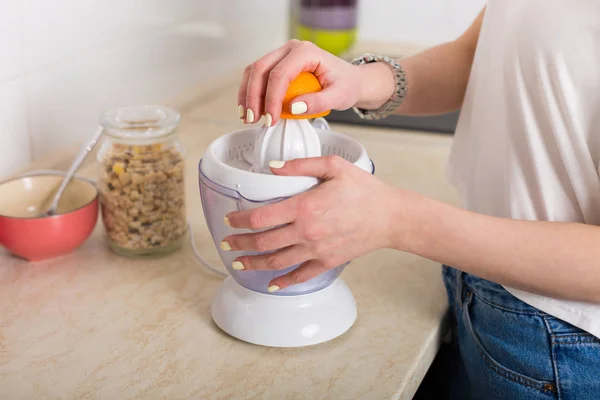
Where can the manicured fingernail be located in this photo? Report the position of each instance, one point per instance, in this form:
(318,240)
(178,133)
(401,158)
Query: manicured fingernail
(299,107)
(237,265)
(225,246)
(268,119)
(276,164)
(226,221)
(273,288)
(241,111)
(250,116)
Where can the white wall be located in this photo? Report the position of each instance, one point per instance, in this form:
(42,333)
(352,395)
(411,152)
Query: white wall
(422,22)
(63,62)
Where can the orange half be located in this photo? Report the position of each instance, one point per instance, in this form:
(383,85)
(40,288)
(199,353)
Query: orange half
(305,82)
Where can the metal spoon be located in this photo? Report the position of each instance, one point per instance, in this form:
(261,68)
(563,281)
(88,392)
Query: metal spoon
(81,156)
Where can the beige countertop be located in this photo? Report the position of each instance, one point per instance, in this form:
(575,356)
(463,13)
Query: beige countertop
(93,325)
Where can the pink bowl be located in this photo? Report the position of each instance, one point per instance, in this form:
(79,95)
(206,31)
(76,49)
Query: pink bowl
(27,235)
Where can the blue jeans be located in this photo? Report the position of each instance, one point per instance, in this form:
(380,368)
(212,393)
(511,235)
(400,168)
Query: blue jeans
(510,350)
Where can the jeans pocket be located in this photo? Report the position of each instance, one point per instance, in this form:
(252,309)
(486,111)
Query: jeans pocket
(577,358)
(513,346)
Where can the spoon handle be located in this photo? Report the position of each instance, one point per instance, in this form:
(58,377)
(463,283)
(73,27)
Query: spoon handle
(81,156)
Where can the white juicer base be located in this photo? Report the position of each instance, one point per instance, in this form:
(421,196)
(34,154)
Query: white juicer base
(284,321)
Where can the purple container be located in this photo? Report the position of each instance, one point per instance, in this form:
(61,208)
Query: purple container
(218,201)
(328,14)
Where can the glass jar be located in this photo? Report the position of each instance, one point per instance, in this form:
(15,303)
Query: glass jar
(141,181)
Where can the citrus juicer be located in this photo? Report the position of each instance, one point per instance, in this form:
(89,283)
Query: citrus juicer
(234,175)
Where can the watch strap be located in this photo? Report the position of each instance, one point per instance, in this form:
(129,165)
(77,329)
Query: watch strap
(399,93)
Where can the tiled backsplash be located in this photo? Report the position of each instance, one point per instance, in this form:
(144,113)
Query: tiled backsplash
(63,62)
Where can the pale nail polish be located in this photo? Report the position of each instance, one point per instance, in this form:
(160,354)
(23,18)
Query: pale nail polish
(225,246)
(299,107)
(276,164)
(241,111)
(237,265)
(250,116)
(273,288)
(268,119)
(226,221)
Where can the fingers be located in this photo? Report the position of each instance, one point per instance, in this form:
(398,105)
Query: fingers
(269,240)
(326,168)
(242,93)
(303,273)
(316,103)
(269,216)
(304,56)
(258,74)
(265,83)
(275,261)
(280,77)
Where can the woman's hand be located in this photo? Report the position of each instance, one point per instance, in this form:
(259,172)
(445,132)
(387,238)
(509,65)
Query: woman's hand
(266,81)
(348,215)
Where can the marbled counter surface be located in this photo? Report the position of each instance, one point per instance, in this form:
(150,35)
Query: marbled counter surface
(93,325)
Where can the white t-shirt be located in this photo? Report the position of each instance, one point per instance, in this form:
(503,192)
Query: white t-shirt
(527,145)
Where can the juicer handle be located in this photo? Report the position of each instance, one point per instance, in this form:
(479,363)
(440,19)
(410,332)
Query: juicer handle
(199,257)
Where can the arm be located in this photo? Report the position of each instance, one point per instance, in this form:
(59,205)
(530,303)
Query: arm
(555,259)
(437,77)
(328,226)
(437,80)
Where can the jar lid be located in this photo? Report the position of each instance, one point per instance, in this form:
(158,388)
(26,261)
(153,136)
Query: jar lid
(140,122)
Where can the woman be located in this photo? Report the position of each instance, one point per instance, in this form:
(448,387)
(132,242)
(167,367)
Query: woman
(525,284)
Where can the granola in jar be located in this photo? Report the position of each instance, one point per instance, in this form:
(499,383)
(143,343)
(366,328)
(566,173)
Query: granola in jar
(142,181)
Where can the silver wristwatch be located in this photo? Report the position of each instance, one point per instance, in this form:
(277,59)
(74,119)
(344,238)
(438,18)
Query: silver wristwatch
(399,93)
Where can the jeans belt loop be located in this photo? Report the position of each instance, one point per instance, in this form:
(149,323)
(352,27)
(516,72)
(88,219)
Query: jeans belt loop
(463,289)
(459,287)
